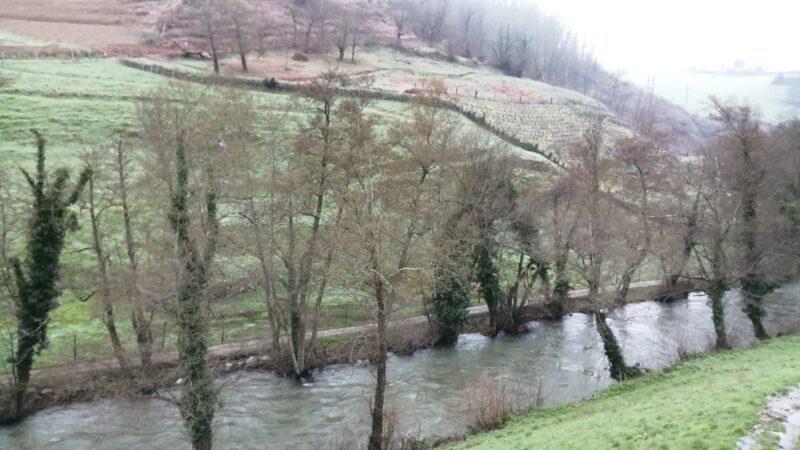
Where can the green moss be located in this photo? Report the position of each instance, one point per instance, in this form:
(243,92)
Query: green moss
(709,401)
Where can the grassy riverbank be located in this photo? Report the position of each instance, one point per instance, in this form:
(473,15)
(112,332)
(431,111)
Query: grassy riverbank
(708,401)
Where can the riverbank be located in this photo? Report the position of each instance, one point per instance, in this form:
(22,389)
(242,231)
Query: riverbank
(92,380)
(707,401)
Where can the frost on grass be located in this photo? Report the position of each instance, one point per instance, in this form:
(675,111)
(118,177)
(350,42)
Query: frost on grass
(778,425)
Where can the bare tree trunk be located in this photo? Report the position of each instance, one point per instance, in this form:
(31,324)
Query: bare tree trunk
(293,14)
(308,36)
(353,48)
(644,249)
(267,278)
(376,434)
(141,323)
(689,243)
(240,43)
(299,282)
(212,44)
(105,290)
(323,286)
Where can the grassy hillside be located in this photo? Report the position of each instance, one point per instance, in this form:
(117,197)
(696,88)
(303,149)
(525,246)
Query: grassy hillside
(531,111)
(87,104)
(709,401)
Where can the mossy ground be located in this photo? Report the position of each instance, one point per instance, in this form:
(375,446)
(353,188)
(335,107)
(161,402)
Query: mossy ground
(706,402)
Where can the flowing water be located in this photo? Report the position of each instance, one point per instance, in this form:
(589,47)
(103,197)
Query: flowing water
(559,361)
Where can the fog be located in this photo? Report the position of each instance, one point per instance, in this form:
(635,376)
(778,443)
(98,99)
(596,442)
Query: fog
(657,37)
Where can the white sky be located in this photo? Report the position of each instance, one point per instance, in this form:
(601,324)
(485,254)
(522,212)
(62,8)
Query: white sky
(662,36)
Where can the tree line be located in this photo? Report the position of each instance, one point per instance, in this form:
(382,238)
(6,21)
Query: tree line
(516,37)
(413,210)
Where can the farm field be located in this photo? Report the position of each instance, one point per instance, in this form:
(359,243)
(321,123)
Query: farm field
(108,26)
(85,103)
(533,112)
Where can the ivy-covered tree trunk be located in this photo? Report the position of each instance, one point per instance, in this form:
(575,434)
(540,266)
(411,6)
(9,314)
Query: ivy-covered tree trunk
(486,274)
(619,370)
(198,396)
(561,287)
(754,283)
(449,306)
(716,291)
(754,287)
(37,276)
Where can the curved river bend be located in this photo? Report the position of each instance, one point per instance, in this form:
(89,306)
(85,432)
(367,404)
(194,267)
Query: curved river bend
(562,360)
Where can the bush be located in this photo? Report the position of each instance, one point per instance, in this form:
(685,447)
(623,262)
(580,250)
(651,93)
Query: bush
(487,402)
(147,38)
(270,83)
(300,57)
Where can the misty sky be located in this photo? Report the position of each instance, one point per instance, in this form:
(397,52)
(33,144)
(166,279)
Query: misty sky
(661,36)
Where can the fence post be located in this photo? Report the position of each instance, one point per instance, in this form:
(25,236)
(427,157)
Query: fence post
(222,338)
(74,347)
(163,334)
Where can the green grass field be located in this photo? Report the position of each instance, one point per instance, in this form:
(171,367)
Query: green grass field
(87,104)
(706,402)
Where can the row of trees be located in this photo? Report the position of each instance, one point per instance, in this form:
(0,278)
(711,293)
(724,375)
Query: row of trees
(516,37)
(393,212)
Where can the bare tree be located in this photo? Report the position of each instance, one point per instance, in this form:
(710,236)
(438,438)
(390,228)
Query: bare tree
(374,237)
(402,17)
(600,242)
(344,29)
(141,310)
(431,19)
(716,220)
(240,15)
(209,13)
(96,209)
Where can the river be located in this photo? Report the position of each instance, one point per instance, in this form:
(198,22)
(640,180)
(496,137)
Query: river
(559,361)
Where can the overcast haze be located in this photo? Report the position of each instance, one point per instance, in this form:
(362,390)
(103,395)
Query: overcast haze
(655,37)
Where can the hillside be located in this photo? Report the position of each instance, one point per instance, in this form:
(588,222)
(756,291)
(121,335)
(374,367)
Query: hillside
(533,112)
